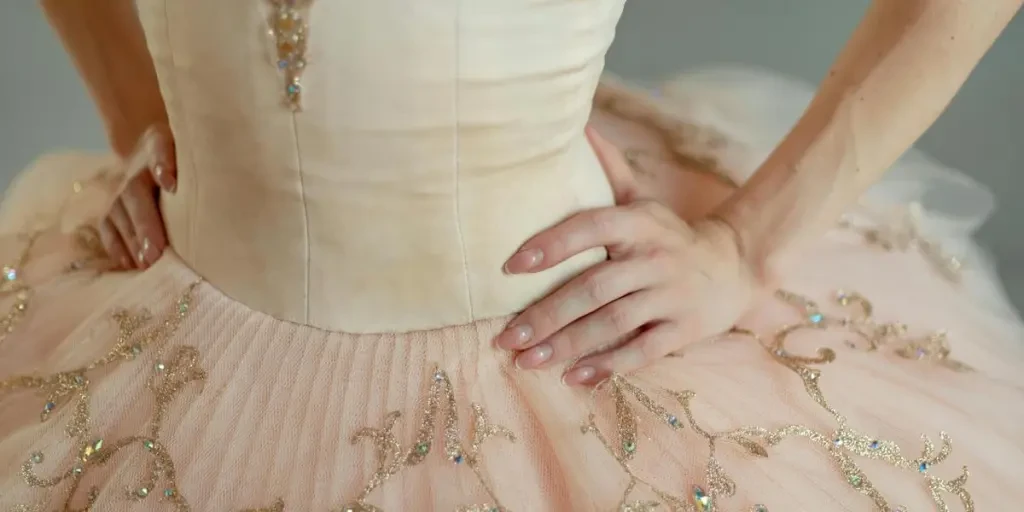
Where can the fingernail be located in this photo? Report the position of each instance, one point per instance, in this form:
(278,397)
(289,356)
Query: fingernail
(516,336)
(164,178)
(578,376)
(534,357)
(140,256)
(524,260)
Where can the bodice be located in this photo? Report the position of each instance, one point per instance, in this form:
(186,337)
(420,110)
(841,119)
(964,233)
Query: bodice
(430,140)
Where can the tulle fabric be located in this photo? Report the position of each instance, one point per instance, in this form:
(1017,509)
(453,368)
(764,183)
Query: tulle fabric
(755,108)
(272,422)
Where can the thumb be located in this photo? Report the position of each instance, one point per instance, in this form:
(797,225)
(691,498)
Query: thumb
(616,168)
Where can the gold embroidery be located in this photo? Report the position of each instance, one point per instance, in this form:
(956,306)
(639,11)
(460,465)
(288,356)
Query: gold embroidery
(11,282)
(841,444)
(900,232)
(278,506)
(136,333)
(289,30)
(392,457)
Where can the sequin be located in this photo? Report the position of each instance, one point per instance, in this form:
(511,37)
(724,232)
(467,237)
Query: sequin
(72,387)
(138,334)
(440,405)
(289,30)
(701,500)
(841,445)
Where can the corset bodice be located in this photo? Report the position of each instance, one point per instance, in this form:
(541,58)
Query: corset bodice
(429,139)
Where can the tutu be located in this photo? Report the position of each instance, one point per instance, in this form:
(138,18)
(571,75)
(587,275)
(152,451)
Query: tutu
(886,375)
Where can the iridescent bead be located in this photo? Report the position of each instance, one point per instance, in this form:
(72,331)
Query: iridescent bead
(875,444)
(816,318)
(759,508)
(672,420)
(91,449)
(10,273)
(37,458)
(49,406)
(701,499)
(457,458)
(855,480)
(142,492)
(148,444)
(169,493)
(423,448)
(629,446)
(161,367)
(922,467)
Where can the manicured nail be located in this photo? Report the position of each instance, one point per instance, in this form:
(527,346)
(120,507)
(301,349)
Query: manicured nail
(578,376)
(516,336)
(164,178)
(523,261)
(534,357)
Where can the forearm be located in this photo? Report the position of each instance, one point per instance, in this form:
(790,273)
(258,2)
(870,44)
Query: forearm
(903,65)
(108,47)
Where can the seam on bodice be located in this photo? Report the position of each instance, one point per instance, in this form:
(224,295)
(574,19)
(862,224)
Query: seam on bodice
(305,216)
(456,164)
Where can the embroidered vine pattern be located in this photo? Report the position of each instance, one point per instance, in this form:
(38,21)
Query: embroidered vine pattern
(172,373)
(392,457)
(842,444)
(178,367)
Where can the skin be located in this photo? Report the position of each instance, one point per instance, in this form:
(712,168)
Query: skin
(668,283)
(106,43)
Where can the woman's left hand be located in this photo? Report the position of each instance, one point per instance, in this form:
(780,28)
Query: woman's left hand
(665,284)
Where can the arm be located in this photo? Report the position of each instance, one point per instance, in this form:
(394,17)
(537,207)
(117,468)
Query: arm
(903,65)
(108,47)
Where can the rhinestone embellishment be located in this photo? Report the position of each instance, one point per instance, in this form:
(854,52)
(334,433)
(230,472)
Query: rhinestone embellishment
(288,29)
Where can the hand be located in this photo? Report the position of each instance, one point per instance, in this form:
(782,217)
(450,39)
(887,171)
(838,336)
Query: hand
(133,231)
(666,284)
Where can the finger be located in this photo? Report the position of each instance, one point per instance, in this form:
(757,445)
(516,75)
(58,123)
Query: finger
(660,340)
(165,175)
(616,168)
(110,237)
(163,165)
(579,297)
(615,227)
(140,204)
(119,218)
(598,331)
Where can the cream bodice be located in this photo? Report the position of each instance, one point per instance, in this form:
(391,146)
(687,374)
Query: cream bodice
(434,137)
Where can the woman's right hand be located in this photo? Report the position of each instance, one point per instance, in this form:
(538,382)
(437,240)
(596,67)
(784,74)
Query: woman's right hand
(133,231)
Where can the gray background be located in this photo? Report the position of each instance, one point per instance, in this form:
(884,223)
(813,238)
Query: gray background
(43,105)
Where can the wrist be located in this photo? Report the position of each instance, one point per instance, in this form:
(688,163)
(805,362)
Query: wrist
(753,240)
